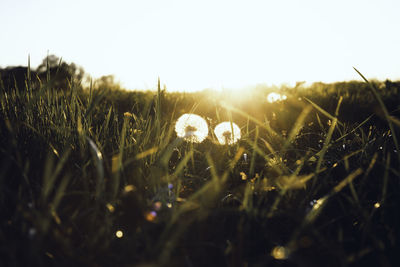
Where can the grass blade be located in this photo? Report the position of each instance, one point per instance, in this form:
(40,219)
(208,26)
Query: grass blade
(385,111)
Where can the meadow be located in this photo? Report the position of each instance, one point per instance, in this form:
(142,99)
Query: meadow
(97,176)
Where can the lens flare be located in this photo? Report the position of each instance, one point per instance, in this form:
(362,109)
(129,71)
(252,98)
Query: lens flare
(274,97)
(224,133)
(192,128)
(119,234)
(279,253)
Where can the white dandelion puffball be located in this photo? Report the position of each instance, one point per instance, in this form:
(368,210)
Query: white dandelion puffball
(192,128)
(274,97)
(223,131)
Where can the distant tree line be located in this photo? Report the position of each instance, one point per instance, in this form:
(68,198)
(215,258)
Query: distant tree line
(53,73)
(57,74)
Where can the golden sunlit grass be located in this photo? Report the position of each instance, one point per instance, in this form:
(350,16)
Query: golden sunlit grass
(192,128)
(84,171)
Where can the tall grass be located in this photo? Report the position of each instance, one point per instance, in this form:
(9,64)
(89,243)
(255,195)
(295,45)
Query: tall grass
(76,169)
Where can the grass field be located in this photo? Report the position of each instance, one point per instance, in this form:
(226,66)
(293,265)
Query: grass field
(99,177)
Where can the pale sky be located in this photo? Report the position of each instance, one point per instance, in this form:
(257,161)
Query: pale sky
(192,45)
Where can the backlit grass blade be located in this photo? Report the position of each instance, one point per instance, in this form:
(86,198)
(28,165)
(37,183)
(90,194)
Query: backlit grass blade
(98,96)
(248,116)
(385,111)
(385,179)
(117,161)
(297,126)
(158,108)
(253,155)
(51,173)
(29,80)
(328,138)
(355,129)
(98,158)
(347,181)
(324,112)
(182,164)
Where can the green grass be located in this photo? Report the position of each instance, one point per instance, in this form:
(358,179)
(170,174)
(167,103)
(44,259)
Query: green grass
(314,180)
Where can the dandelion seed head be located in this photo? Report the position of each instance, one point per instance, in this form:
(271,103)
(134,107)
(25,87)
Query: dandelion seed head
(274,97)
(192,128)
(224,134)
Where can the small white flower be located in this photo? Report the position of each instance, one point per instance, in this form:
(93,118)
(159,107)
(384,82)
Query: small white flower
(224,133)
(192,128)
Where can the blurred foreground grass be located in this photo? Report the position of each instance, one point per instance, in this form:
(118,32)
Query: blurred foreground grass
(99,178)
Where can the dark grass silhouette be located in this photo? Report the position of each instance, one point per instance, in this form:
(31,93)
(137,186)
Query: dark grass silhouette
(314,180)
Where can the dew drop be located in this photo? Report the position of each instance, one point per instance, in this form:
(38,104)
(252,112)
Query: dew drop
(32,232)
(119,234)
(157,205)
(279,253)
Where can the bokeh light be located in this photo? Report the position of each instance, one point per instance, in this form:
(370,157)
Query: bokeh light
(274,97)
(224,134)
(129,188)
(157,205)
(110,207)
(279,253)
(192,128)
(119,234)
(151,216)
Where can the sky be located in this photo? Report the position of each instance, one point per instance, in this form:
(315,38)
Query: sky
(193,45)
